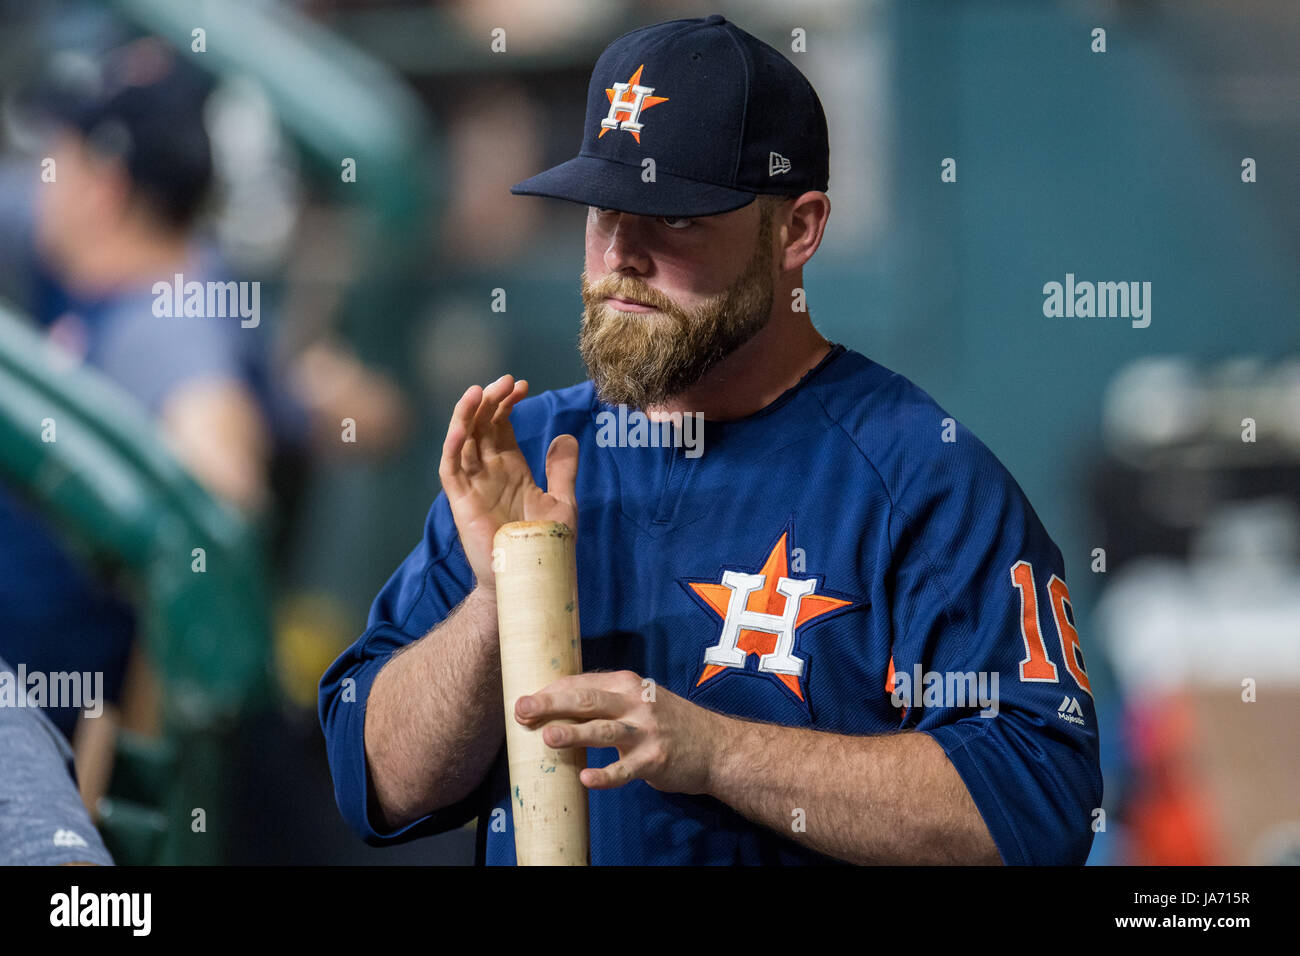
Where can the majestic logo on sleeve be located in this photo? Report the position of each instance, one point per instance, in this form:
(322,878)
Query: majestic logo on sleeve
(626,101)
(763,614)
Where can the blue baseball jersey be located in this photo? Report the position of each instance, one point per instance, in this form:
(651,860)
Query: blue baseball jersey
(847,559)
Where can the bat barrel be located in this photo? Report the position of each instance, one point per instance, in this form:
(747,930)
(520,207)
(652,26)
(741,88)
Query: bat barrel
(537,614)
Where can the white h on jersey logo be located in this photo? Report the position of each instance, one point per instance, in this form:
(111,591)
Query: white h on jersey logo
(761,612)
(782,660)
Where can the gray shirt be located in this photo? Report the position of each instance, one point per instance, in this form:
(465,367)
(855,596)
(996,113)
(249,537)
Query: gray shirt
(42,819)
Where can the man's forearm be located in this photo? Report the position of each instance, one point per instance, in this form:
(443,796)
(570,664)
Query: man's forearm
(888,799)
(434,720)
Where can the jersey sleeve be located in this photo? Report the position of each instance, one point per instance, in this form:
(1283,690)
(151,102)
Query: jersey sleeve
(980,602)
(426,587)
(429,584)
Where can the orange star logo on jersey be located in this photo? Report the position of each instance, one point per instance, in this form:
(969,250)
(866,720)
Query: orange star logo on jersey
(761,614)
(626,103)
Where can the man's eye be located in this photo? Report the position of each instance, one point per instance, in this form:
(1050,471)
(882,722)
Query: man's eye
(675,222)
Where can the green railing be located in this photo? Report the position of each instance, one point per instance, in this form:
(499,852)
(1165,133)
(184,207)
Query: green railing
(108,484)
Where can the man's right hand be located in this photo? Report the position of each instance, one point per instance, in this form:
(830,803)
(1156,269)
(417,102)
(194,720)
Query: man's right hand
(488,481)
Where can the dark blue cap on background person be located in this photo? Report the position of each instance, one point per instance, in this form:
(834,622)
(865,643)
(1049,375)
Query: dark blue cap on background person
(723,115)
(142,104)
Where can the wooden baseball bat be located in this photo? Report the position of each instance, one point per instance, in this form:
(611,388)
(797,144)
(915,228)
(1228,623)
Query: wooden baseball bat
(537,616)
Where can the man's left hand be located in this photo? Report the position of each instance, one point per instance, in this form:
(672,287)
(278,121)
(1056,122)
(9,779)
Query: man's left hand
(661,738)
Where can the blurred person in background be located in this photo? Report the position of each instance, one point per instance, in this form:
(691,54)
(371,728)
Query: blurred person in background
(131,166)
(125,207)
(133,169)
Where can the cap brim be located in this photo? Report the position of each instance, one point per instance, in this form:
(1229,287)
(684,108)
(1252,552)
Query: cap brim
(602,182)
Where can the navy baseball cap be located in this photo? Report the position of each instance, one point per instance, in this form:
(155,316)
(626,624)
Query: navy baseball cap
(723,115)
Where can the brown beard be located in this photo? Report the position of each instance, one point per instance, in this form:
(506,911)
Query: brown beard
(641,359)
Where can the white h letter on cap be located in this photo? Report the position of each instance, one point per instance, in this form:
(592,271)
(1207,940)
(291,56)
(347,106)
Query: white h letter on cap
(632,109)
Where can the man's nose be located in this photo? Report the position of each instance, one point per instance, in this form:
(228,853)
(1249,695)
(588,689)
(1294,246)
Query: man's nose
(626,249)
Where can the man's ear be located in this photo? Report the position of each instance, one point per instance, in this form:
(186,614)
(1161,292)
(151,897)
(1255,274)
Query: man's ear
(804,221)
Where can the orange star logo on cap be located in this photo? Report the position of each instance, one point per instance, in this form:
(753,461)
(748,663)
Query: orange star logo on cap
(626,103)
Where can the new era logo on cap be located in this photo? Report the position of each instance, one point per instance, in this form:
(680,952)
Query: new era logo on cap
(732,118)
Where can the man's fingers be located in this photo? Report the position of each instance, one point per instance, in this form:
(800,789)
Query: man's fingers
(458,429)
(582,702)
(469,456)
(607,778)
(591,733)
(449,466)
(510,401)
(502,433)
(613,681)
(493,395)
(562,468)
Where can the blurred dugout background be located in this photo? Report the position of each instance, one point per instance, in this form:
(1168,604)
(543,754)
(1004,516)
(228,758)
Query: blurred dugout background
(377,303)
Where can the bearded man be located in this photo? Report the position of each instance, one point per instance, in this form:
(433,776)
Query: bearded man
(837,603)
